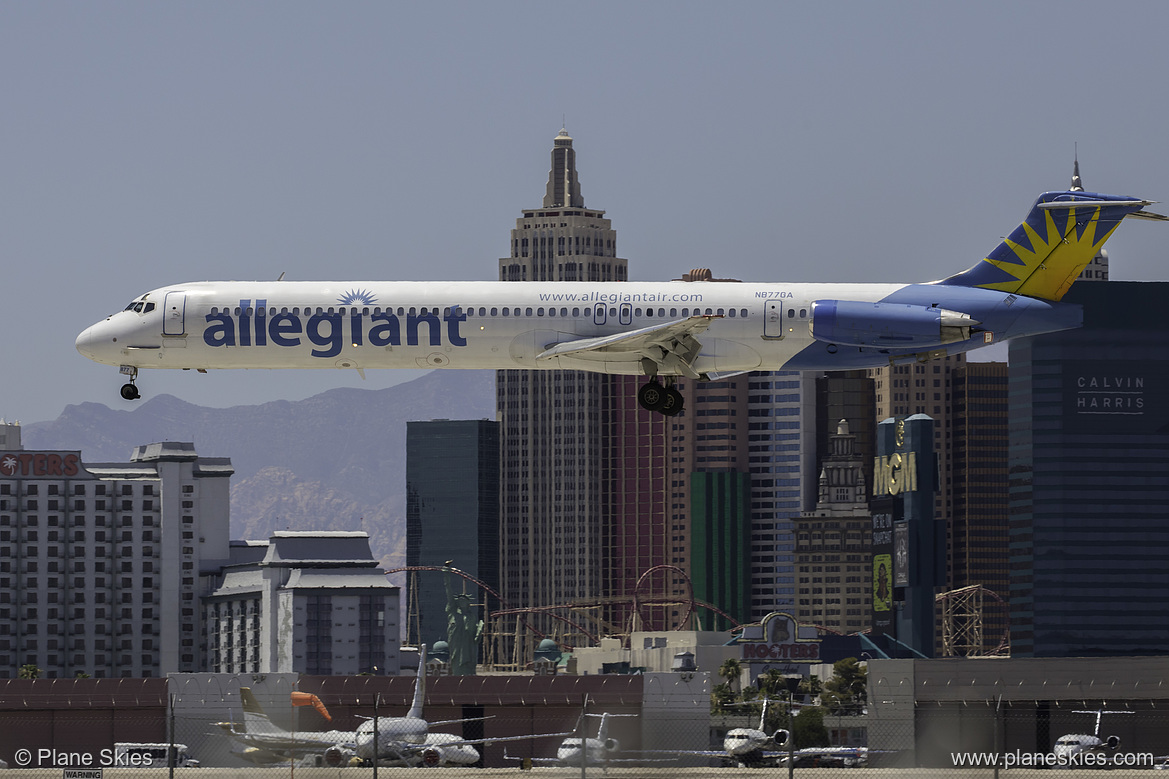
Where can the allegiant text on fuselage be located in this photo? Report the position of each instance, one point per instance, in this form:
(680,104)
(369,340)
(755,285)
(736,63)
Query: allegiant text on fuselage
(329,331)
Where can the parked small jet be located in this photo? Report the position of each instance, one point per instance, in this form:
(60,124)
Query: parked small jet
(595,751)
(701,330)
(746,747)
(756,748)
(1071,744)
(752,747)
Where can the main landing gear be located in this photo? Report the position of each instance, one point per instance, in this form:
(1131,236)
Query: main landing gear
(129,389)
(666,400)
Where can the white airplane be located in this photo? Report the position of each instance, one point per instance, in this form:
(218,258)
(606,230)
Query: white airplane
(1071,744)
(747,747)
(754,746)
(700,330)
(400,741)
(595,751)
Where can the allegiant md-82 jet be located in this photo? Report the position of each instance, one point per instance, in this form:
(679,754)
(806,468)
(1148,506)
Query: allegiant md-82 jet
(699,330)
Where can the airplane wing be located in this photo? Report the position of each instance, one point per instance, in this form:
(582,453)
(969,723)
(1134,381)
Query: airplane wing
(453,721)
(672,345)
(285,744)
(501,739)
(602,761)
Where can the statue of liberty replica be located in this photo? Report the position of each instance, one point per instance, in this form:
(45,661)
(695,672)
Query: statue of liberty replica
(463,627)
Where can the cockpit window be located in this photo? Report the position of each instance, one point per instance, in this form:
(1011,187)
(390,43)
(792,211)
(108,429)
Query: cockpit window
(140,307)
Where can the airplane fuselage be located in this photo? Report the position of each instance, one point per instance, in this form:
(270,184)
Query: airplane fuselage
(499,325)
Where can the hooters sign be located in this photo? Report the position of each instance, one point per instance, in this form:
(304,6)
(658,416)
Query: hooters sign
(40,464)
(779,639)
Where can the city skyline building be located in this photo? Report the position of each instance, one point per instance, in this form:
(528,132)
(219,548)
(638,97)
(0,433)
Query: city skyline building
(834,542)
(102,564)
(556,501)
(638,538)
(1089,436)
(311,602)
(781,442)
(452,515)
(978,547)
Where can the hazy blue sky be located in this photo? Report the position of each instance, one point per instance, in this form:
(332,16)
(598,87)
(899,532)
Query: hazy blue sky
(150,143)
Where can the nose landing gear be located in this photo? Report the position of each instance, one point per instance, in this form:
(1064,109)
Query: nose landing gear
(129,389)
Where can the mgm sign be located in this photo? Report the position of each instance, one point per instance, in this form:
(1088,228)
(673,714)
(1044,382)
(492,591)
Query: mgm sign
(908,542)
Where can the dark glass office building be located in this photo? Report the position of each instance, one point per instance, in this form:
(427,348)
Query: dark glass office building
(452,513)
(1089,479)
(720,541)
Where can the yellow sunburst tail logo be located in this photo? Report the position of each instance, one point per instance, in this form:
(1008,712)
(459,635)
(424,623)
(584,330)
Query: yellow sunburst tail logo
(1049,250)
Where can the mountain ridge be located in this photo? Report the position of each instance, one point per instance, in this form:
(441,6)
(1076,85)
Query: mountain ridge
(333,461)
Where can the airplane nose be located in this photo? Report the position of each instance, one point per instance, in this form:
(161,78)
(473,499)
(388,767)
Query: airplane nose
(94,341)
(85,342)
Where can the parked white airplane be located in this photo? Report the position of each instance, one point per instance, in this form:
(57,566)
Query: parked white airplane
(401,741)
(700,330)
(595,751)
(1071,744)
(756,748)
(752,746)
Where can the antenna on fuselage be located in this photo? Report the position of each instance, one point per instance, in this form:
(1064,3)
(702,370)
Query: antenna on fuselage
(1077,185)
(281,278)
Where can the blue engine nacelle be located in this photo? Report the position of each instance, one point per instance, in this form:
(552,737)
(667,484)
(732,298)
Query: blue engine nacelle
(857,323)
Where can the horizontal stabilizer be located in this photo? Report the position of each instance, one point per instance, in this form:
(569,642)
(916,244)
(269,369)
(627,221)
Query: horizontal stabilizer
(1148,215)
(1082,202)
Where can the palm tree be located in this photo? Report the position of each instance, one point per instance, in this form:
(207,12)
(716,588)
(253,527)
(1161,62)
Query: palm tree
(731,670)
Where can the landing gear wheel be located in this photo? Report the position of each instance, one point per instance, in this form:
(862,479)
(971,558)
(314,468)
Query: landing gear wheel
(130,392)
(672,406)
(652,396)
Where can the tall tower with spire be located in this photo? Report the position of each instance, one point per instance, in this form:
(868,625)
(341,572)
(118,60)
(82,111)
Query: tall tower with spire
(556,470)
(833,542)
(562,240)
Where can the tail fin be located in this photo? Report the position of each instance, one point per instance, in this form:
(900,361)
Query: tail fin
(419,686)
(603,729)
(255,719)
(1049,250)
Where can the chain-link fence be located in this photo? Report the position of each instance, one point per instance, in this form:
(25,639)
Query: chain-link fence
(257,727)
